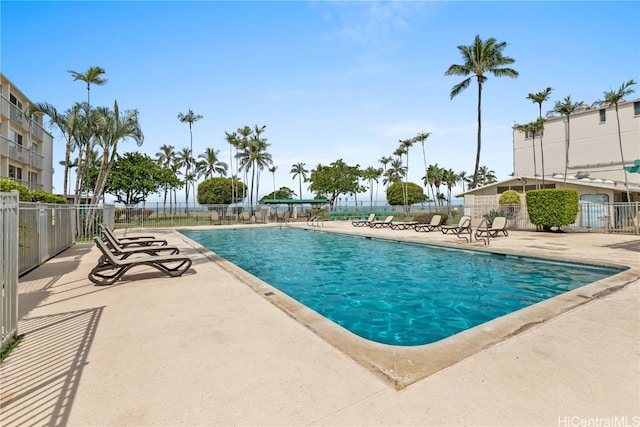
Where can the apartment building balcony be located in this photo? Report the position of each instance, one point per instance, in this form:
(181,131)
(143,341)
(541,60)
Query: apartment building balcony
(18,118)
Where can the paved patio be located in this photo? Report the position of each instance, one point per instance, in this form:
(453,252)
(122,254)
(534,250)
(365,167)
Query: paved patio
(206,349)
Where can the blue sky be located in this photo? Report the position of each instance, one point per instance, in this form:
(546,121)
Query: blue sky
(330,80)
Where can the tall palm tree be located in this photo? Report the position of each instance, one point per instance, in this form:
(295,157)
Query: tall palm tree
(566,107)
(480,58)
(273,170)
(613,97)
(432,178)
(421,138)
(464,179)
(185,160)
(189,117)
(253,156)
(539,98)
(299,172)
(384,161)
(406,144)
(211,164)
(66,123)
(529,129)
(91,76)
(450,178)
(371,174)
(166,158)
(395,172)
(487,176)
(114,127)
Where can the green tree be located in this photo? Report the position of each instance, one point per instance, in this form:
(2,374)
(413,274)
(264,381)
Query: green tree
(134,177)
(333,180)
(298,171)
(189,117)
(421,138)
(281,193)
(479,59)
(396,194)
(221,191)
(566,107)
(539,98)
(613,97)
(93,75)
(384,161)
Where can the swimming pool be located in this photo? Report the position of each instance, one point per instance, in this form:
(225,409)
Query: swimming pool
(394,292)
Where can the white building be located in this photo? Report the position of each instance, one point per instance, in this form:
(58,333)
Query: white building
(594,169)
(594,147)
(26,149)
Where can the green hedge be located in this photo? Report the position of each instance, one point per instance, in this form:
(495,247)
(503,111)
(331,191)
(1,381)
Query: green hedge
(553,207)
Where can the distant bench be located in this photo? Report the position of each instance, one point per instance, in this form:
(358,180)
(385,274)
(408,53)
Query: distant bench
(351,215)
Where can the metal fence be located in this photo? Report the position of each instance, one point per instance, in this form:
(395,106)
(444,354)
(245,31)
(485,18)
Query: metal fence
(9,208)
(619,217)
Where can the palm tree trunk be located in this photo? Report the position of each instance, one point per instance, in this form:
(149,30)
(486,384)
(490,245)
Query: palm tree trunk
(475,171)
(567,132)
(626,182)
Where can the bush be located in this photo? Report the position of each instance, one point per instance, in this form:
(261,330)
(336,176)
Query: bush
(46,197)
(218,191)
(7,185)
(510,197)
(553,207)
(395,194)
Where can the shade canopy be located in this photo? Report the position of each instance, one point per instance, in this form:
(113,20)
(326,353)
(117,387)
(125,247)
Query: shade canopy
(635,168)
(292,201)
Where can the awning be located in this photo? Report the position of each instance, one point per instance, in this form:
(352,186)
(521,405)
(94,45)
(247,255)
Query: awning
(635,168)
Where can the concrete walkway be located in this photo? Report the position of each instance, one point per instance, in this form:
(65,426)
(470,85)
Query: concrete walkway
(206,349)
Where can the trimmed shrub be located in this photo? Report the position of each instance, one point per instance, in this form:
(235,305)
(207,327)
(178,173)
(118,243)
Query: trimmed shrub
(510,197)
(395,194)
(46,197)
(553,207)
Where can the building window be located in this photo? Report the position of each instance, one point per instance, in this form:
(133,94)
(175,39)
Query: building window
(603,115)
(33,177)
(528,134)
(15,172)
(15,101)
(636,108)
(15,137)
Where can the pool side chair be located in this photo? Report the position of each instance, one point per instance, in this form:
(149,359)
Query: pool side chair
(382,224)
(364,222)
(246,217)
(463,225)
(499,225)
(125,242)
(403,225)
(215,217)
(110,269)
(125,252)
(434,224)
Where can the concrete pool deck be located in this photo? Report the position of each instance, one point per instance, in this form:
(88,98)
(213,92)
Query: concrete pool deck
(206,349)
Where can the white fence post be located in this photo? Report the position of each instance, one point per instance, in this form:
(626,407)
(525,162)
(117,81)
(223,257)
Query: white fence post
(9,216)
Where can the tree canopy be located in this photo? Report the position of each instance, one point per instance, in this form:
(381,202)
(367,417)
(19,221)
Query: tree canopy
(220,191)
(134,176)
(282,193)
(336,179)
(414,193)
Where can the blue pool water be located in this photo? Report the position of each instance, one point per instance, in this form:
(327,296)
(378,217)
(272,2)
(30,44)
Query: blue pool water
(391,292)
